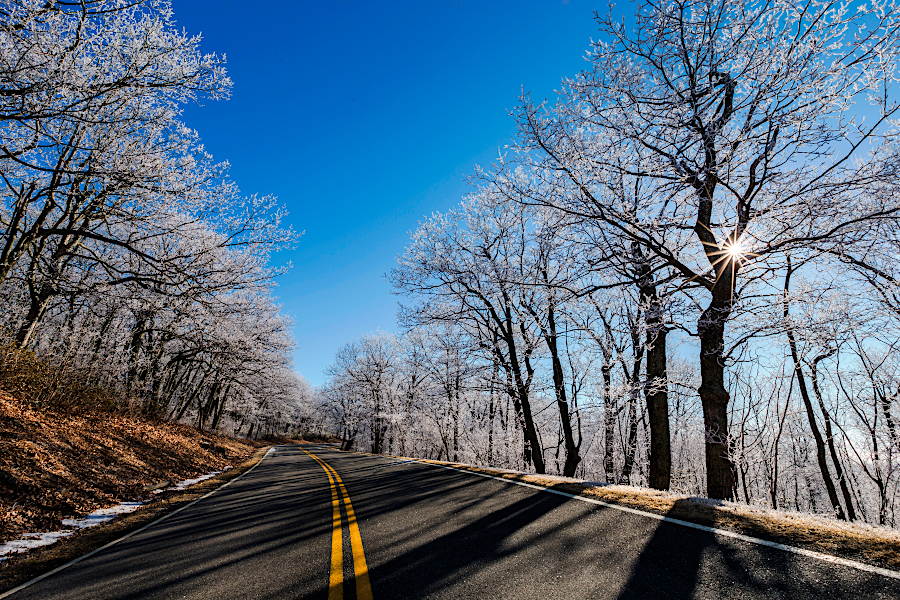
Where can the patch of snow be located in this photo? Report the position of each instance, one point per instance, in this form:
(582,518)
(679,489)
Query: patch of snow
(102,515)
(189,482)
(30,541)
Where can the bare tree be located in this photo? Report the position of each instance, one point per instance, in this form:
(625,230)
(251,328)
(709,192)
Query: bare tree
(740,118)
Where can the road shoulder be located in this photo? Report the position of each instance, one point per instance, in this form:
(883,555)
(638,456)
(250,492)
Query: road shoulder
(20,569)
(873,546)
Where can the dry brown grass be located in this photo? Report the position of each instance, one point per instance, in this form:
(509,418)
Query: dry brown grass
(21,568)
(54,464)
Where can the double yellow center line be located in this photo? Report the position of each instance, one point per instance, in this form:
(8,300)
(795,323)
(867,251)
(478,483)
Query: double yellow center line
(336,579)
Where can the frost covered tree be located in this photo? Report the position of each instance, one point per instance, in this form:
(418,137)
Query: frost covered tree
(467,265)
(751,129)
(90,136)
(127,257)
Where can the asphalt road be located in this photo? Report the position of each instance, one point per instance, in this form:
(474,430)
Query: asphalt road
(429,532)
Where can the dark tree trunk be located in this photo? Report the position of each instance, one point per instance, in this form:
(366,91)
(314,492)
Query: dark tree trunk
(609,416)
(720,472)
(631,442)
(522,406)
(39,299)
(220,408)
(190,398)
(714,398)
(829,438)
(41,293)
(519,394)
(206,408)
(134,346)
(491,412)
(456,419)
(656,388)
(657,395)
(634,379)
(573,448)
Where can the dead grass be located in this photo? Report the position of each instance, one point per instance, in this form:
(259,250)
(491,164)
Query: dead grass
(864,543)
(54,465)
(24,567)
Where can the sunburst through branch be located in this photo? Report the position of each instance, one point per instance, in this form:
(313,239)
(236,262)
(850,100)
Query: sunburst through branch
(733,251)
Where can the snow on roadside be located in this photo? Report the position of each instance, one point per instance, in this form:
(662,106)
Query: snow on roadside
(189,482)
(30,541)
(102,515)
(45,538)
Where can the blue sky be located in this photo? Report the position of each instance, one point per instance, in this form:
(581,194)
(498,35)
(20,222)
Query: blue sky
(364,118)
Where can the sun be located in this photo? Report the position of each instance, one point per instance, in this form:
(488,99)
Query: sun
(735,251)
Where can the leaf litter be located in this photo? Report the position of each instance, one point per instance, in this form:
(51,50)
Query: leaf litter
(63,472)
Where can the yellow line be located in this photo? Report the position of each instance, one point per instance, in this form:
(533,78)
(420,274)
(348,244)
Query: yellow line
(360,569)
(363,587)
(336,578)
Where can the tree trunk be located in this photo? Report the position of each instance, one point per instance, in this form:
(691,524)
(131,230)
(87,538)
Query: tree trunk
(456,418)
(609,422)
(573,457)
(810,414)
(220,408)
(656,389)
(134,348)
(190,399)
(829,438)
(631,443)
(714,398)
(519,395)
(657,395)
(491,411)
(39,299)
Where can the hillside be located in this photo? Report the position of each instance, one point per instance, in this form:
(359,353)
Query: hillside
(55,465)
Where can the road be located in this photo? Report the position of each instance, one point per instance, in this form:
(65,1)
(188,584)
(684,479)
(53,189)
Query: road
(422,531)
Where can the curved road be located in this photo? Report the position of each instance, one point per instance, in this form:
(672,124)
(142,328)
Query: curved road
(410,530)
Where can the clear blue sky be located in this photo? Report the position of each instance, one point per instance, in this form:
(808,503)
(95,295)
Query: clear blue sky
(363,117)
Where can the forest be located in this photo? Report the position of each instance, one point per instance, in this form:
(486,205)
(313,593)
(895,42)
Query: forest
(134,274)
(681,273)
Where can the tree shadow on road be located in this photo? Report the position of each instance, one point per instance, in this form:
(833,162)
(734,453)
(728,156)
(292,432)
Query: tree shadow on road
(451,557)
(683,562)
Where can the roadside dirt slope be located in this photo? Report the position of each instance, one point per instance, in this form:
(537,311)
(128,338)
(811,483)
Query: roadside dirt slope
(56,465)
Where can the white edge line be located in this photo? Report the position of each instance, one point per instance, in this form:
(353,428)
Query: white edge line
(722,532)
(133,533)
